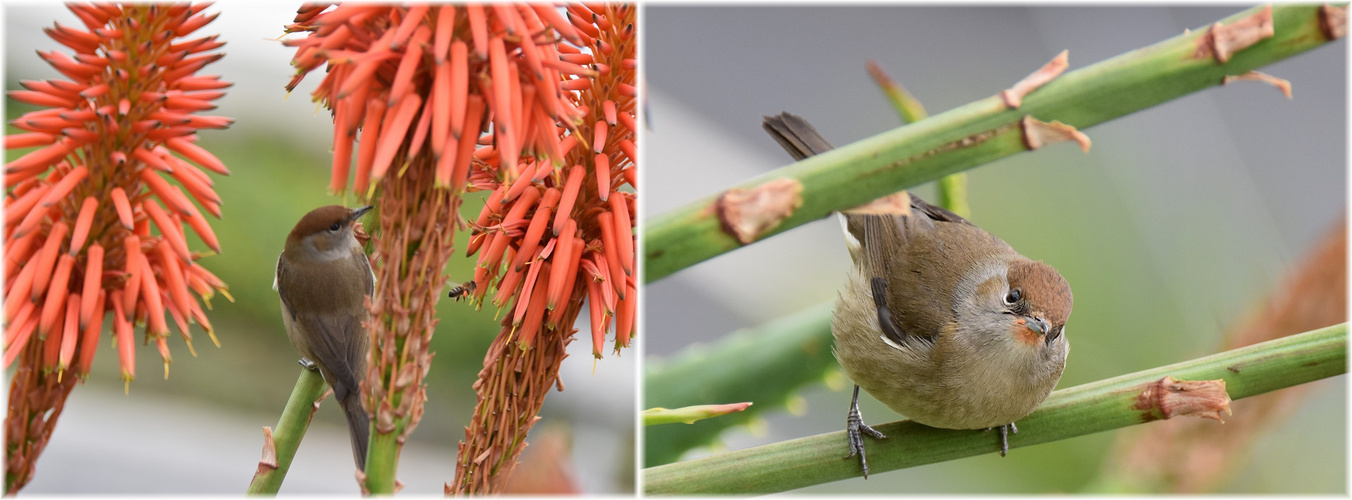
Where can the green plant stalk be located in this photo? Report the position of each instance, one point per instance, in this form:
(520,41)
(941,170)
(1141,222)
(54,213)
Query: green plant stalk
(1085,409)
(910,108)
(765,372)
(953,194)
(977,133)
(952,187)
(383,448)
(382,459)
(290,430)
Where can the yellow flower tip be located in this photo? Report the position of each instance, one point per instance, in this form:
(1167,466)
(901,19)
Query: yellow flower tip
(226,293)
(212,334)
(191,351)
(166,369)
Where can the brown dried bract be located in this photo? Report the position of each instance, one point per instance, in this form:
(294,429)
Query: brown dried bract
(385,417)
(748,213)
(1282,85)
(1013,97)
(1333,21)
(314,407)
(323,396)
(269,461)
(1037,134)
(1181,398)
(898,203)
(1222,41)
(360,233)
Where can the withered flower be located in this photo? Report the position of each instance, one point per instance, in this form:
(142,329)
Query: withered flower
(79,210)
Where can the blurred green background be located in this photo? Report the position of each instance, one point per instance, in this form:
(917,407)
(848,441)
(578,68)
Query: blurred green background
(200,430)
(1177,223)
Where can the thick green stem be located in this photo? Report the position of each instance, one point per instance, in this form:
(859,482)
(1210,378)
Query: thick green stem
(1086,409)
(953,194)
(382,460)
(979,132)
(291,429)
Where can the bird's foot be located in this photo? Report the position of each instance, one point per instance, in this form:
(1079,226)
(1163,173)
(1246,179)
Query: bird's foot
(1005,431)
(309,365)
(855,428)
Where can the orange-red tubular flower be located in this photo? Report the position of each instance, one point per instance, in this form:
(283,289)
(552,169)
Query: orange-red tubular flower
(80,207)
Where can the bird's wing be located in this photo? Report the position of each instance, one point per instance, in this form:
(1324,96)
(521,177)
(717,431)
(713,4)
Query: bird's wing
(324,344)
(327,332)
(936,213)
(276,278)
(869,237)
(896,244)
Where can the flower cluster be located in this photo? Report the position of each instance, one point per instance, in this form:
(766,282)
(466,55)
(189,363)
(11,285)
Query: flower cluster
(80,209)
(551,234)
(530,101)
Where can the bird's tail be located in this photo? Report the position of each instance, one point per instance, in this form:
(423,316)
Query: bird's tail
(795,135)
(358,426)
(801,140)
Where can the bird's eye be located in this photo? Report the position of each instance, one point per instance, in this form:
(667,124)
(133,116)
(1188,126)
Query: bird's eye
(335,227)
(1013,296)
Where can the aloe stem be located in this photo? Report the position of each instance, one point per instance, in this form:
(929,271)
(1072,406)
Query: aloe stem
(1085,409)
(290,430)
(977,133)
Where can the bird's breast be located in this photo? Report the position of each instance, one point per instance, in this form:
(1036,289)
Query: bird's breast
(307,285)
(942,381)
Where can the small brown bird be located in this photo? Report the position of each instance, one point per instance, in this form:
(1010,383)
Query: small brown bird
(323,277)
(940,320)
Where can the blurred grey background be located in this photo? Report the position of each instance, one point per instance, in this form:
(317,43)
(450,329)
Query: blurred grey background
(1177,223)
(200,431)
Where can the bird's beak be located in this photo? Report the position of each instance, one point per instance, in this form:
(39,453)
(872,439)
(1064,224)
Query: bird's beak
(1038,325)
(356,214)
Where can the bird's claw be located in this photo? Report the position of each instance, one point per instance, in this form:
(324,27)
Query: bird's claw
(1005,431)
(855,428)
(309,365)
